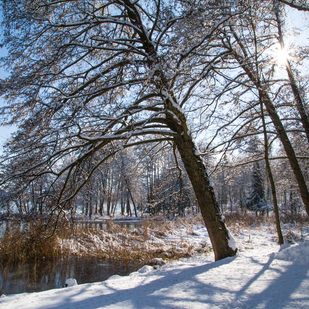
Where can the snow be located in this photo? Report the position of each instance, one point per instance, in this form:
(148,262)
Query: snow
(157,261)
(261,275)
(174,104)
(232,242)
(169,237)
(197,152)
(298,253)
(70,282)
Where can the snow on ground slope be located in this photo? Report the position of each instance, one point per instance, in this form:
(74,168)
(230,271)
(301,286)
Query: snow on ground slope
(261,276)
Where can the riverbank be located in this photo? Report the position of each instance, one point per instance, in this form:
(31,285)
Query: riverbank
(120,240)
(95,251)
(261,276)
(151,239)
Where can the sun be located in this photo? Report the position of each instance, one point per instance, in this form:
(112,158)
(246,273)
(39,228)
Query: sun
(281,56)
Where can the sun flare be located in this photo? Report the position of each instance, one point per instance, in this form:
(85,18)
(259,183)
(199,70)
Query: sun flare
(282,56)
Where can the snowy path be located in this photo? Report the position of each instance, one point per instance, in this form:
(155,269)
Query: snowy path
(259,277)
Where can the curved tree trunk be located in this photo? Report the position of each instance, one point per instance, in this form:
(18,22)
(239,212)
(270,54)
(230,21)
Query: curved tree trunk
(222,242)
(176,121)
(205,195)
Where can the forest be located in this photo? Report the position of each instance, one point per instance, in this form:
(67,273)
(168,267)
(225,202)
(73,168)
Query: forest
(155,108)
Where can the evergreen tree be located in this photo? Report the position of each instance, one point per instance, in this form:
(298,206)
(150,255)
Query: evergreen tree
(256,200)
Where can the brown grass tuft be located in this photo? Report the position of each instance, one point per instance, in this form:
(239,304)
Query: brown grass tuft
(30,243)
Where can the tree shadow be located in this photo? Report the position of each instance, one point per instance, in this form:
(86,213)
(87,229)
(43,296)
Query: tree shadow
(186,288)
(278,293)
(144,295)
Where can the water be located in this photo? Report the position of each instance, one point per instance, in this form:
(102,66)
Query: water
(45,275)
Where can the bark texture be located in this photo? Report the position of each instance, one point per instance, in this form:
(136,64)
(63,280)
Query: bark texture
(195,168)
(205,195)
(271,178)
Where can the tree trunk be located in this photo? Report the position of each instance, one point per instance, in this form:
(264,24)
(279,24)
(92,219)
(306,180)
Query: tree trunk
(101,207)
(122,201)
(271,110)
(108,204)
(96,206)
(271,179)
(223,245)
(205,195)
(86,209)
(287,147)
(194,166)
(128,187)
(296,92)
(129,212)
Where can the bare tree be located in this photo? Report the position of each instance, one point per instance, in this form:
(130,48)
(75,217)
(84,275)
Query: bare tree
(300,104)
(89,73)
(247,41)
(244,60)
(271,177)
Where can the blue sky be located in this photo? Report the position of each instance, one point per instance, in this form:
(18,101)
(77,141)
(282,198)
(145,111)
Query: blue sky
(4,131)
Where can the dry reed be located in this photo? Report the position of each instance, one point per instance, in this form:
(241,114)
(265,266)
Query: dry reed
(142,244)
(152,239)
(31,242)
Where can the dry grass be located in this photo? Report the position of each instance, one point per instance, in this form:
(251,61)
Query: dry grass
(247,219)
(29,243)
(156,238)
(297,218)
(153,239)
(292,227)
(142,244)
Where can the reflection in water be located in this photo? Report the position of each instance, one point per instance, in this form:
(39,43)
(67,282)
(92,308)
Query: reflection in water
(46,275)
(52,274)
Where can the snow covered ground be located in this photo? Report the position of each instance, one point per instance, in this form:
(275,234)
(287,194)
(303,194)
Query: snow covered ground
(262,275)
